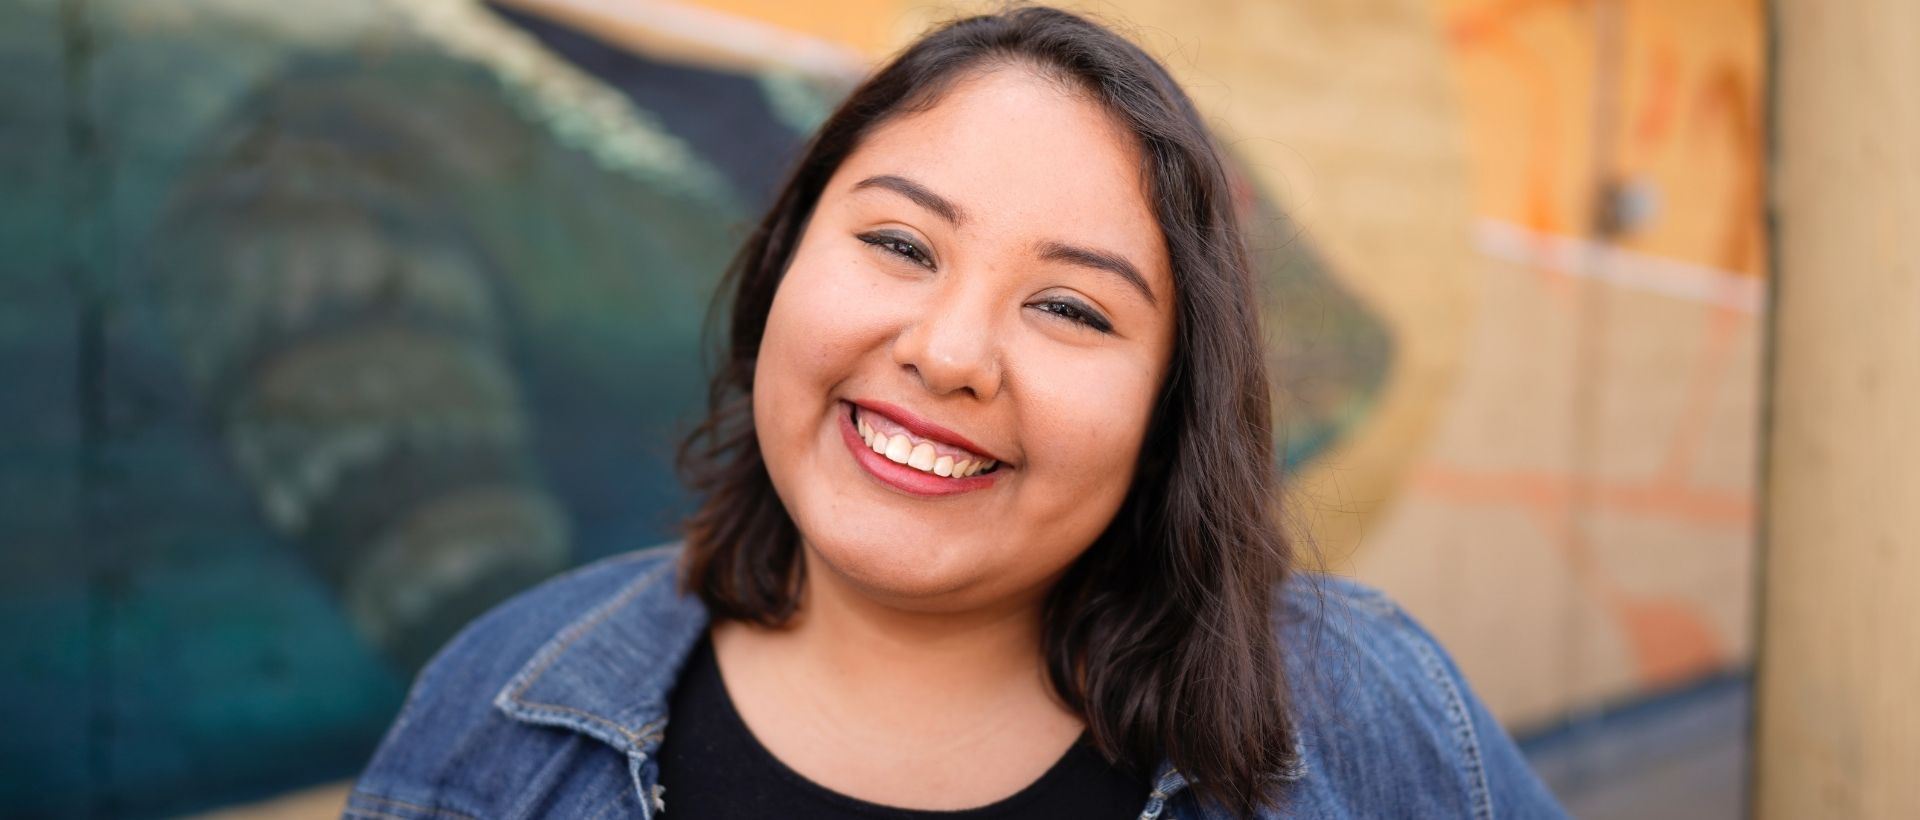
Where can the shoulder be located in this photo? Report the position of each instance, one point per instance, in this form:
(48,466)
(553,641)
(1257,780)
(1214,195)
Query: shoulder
(461,726)
(1331,627)
(494,646)
(1352,652)
(1387,722)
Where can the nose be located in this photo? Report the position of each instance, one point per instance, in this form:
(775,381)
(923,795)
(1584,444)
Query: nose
(950,345)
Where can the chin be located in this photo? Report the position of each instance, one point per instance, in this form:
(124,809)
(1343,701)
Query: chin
(903,569)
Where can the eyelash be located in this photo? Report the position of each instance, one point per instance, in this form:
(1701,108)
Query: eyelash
(1071,310)
(892,244)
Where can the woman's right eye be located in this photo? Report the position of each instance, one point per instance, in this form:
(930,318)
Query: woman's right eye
(898,245)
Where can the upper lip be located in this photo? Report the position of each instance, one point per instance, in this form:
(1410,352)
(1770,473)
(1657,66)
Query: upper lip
(924,428)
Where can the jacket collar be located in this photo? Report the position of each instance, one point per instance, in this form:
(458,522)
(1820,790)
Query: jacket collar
(608,674)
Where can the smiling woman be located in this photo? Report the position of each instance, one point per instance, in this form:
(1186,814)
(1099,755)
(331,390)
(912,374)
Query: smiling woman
(988,525)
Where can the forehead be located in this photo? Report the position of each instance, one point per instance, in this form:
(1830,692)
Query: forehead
(1025,158)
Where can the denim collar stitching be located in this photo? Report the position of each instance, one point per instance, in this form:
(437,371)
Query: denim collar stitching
(607,674)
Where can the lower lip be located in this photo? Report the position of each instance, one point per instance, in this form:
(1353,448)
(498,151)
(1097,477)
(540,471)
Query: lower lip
(900,476)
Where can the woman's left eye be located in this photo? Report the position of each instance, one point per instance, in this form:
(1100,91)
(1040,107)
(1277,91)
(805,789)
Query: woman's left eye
(898,245)
(1073,311)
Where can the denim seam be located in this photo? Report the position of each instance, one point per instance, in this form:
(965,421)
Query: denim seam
(1155,803)
(1165,785)
(648,798)
(517,687)
(428,810)
(1462,721)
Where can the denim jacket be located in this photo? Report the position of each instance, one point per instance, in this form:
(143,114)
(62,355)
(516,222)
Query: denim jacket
(554,704)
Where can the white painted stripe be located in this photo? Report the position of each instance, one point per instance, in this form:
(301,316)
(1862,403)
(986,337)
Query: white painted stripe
(1588,258)
(749,39)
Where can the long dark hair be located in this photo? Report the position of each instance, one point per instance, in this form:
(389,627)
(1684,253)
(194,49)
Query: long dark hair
(1161,635)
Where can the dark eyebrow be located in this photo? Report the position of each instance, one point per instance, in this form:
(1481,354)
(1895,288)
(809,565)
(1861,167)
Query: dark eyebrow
(1101,260)
(916,192)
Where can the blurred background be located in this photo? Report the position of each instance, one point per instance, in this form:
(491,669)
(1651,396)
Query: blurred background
(332,324)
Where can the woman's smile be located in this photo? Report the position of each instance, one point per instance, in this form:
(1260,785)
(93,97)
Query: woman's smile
(914,456)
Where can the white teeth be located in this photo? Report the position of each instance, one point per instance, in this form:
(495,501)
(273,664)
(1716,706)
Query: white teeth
(898,448)
(921,458)
(972,468)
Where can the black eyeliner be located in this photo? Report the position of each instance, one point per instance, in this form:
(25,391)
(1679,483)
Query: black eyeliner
(1087,315)
(881,239)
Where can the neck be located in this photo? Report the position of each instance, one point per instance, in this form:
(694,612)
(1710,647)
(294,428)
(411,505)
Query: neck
(903,673)
(976,649)
(881,700)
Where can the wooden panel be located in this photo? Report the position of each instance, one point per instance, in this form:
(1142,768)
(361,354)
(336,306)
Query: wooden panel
(1838,726)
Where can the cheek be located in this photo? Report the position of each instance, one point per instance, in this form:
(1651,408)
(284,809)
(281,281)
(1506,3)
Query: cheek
(1085,430)
(821,322)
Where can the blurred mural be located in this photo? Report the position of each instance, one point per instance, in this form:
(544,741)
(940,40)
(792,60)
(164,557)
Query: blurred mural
(1579,524)
(333,325)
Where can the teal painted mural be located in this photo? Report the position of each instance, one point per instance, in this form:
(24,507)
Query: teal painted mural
(327,327)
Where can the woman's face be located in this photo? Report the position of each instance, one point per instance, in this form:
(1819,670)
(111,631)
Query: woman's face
(982,287)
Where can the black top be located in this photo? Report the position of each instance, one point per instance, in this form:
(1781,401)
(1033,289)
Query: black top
(711,766)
